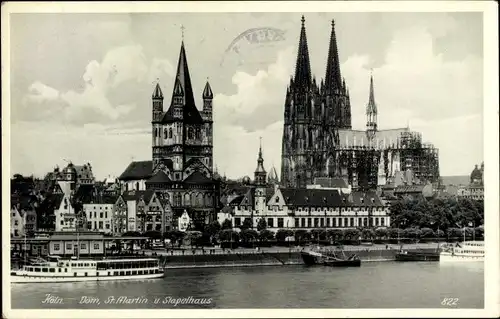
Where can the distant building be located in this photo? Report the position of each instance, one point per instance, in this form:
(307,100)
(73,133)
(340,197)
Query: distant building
(475,189)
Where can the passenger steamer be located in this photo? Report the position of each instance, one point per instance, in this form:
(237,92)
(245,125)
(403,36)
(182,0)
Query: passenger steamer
(467,251)
(57,269)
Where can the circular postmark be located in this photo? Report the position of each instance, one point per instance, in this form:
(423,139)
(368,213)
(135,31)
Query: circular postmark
(250,47)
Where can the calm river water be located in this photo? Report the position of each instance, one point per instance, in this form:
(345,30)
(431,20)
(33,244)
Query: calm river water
(373,285)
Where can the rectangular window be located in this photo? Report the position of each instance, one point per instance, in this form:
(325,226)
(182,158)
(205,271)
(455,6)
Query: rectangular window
(328,222)
(106,214)
(96,246)
(309,222)
(351,222)
(302,222)
(83,246)
(382,221)
(68,246)
(101,215)
(340,222)
(297,222)
(237,221)
(57,246)
(322,222)
(270,222)
(316,222)
(280,222)
(101,225)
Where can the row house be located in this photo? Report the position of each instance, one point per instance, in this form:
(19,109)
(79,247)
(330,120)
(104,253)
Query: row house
(99,213)
(311,208)
(22,219)
(142,211)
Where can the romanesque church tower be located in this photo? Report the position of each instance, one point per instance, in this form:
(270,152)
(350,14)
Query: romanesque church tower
(182,135)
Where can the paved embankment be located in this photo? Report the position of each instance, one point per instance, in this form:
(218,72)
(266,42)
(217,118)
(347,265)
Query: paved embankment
(267,257)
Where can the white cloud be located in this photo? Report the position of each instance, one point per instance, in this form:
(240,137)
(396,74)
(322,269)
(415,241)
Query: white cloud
(442,99)
(39,92)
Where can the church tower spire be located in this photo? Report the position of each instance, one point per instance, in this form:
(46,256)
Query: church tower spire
(260,172)
(184,78)
(333,78)
(302,77)
(371,111)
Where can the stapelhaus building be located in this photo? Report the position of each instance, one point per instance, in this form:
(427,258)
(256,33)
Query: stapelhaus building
(327,203)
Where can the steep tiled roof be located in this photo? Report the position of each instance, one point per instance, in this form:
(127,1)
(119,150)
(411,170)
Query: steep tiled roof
(312,197)
(364,199)
(137,195)
(85,193)
(197,178)
(137,170)
(237,200)
(159,177)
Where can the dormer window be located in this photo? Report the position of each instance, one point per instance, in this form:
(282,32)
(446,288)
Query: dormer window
(277,199)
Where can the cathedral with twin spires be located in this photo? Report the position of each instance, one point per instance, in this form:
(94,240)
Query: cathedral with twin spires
(319,141)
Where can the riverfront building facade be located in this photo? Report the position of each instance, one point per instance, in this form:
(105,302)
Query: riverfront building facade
(326,203)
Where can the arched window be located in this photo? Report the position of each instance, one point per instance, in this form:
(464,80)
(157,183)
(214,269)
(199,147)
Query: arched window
(137,185)
(199,200)
(170,133)
(190,133)
(155,132)
(187,200)
(165,133)
(208,200)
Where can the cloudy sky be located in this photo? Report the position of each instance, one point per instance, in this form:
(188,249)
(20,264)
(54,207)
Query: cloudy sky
(81,84)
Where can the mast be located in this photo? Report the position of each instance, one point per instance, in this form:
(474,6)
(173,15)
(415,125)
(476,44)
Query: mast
(25,243)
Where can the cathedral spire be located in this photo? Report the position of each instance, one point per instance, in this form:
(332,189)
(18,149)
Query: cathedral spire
(183,77)
(371,109)
(303,66)
(333,79)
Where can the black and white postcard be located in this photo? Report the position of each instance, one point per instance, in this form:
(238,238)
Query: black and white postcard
(253,159)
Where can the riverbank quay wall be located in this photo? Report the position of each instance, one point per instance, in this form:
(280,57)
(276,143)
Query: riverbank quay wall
(247,259)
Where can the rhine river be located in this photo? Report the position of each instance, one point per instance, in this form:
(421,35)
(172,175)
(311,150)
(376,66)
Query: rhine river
(373,285)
